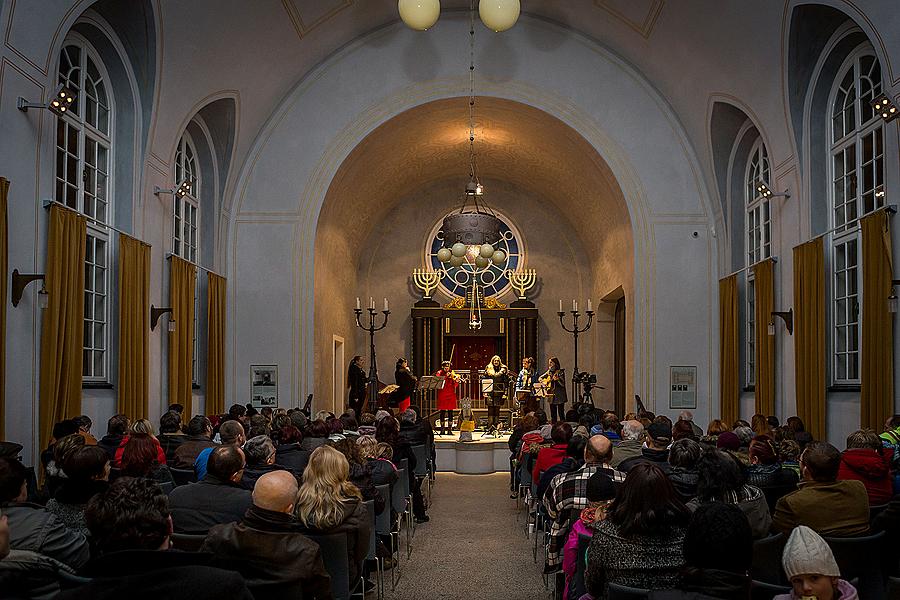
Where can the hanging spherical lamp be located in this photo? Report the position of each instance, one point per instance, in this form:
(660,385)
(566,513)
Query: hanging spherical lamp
(481,262)
(444,255)
(498,257)
(499,15)
(419,14)
(486,251)
(458,250)
(457,261)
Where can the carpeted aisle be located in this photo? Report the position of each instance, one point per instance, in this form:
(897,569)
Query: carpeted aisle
(472,548)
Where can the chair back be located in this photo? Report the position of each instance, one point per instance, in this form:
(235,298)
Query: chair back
(189,542)
(623,592)
(876,510)
(370,510)
(760,590)
(578,588)
(774,492)
(383,521)
(865,558)
(404,464)
(183,476)
(114,473)
(421,460)
(167,487)
(398,492)
(334,554)
(766,565)
(525,475)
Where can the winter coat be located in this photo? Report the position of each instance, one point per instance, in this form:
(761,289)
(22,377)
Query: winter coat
(872,468)
(293,458)
(839,508)
(71,499)
(770,475)
(33,528)
(383,471)
(685,482)
(660,458)
(196,507)
(752,502)
(546,458)
(187,452)
(625,450)
(111,443)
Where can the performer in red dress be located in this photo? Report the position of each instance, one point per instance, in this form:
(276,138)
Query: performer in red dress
(446,397)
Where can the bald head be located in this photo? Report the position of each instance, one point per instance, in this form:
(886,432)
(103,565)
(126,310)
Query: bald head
(276,491)
(598,450)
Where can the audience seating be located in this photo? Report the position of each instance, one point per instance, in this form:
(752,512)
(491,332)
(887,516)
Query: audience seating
(578,588)
(334,555)
(623,592)
(114,473)
(189,542)
(761,590)
(876,510)
(373,549)
(865,558)
(774,492)
(422,469)
(183,476)
(402,506)
(767,559)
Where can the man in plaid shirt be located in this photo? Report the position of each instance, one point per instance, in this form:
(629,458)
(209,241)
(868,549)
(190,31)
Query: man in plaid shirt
(567,495)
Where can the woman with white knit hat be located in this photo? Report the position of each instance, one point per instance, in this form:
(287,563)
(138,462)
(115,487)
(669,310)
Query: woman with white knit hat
(812,570)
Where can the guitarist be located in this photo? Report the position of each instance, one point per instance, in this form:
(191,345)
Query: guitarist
(555,380)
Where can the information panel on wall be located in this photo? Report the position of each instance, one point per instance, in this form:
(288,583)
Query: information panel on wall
(682,387)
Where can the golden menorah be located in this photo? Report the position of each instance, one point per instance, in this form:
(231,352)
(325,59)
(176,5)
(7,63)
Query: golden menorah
(522,281)
(426,280)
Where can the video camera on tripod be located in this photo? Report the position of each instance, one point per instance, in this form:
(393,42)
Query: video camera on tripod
(588,382)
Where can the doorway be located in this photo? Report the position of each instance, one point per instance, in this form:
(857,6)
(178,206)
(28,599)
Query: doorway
(619,365)
(338,375)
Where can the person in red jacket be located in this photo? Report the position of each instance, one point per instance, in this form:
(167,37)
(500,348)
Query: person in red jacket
(553,455)
(140,426)
(867,461)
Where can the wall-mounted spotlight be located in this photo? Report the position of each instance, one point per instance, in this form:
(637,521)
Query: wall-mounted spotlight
(156,313)
(21,280)
(893,302)
(180,191)
(59,104)
(884,107)
(787,316)
(764,191)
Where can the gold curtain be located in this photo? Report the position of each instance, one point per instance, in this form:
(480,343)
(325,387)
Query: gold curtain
(62,329)
(215,355)
(809,335)
(729,349)
(764,302)
(182,286)
(134,327)
(4,266)
(877,357)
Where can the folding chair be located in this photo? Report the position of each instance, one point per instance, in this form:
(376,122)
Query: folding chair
(421,470)
(373,549)
(189,542)
(864,558)
(183,476)
(337,563)
(383,527)
(766,566)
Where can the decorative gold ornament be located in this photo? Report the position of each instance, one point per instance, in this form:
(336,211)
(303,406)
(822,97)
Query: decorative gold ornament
(457,303)
(426,280)
(522,281)
(491,303)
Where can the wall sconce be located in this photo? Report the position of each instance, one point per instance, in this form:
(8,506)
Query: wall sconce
(788,318)
(764,191)
(887,109)
(58,105)
(21,280)
(180,191)
(892,299)
(156,313)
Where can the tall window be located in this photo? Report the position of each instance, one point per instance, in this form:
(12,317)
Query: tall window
(856,161)
(83,147)
(758,239)
(186,220)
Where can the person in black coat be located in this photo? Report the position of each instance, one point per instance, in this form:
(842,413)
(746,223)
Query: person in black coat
(406,386)
(288,452)
(356,382)
(388,431)
(217,498)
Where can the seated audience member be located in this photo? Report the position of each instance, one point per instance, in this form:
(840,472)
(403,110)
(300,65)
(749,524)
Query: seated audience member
(288,453)
(631,444)
(810,567)
(141,427)
(116,428)
(745,435)
(868,461)
(328,503)
(760,425)
(170,434)
(600,492)
(61,430)
(683,457)
(199,437)
(84,429)
(721,480)
(259,425)
(388,431)
(659,436)
(62,448)
(231,433)
(316,435)
(764,469)
(217,498)
(640,543)
(360,474)
(574,460)
(567,495)
(411,431)
(688,417)
(554,454)
(140,458)
(789,455)
(609,426)
(130,529)
(260,453)
(682,430)
(349,424)
(795,424)
(527,424)
(267,548)
(830,507)
(378,456)
(87,474)
(32,527)
(236,412)
(718,553)
(715,428)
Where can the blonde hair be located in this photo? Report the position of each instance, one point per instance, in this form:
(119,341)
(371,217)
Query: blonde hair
(490,370)
(384,450)
(325,489)
(367,446)
(142,426)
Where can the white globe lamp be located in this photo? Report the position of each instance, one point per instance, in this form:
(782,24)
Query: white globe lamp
(499,15)
(419,14)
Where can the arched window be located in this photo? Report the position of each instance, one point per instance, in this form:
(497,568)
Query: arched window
(185,233)
(84,146)
(856,168)
(758,238)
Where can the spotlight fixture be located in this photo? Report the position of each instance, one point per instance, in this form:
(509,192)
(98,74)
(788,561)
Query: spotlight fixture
(62,100)
(787,316)
(887,109)
(893,302)
(20,281)
(764,191)
(182,190)
(156,313)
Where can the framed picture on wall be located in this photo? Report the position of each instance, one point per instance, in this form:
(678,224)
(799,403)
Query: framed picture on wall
(264,386)
(682,387)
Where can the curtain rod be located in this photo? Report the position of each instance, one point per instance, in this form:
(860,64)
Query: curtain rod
(748,267)
(49,203)
(890,209)
(201,267)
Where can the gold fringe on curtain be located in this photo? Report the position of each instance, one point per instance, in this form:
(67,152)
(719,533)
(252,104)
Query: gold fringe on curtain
(764,302)
(62,329)
(729,349)
(4,268)
(182,286)
(877,357)
(134,327)
(215,359)
(809,335)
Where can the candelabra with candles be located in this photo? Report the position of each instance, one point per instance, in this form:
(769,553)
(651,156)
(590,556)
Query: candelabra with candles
(372,328)
(575,330)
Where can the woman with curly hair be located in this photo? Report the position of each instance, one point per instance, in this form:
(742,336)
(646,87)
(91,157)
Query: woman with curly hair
(722,480)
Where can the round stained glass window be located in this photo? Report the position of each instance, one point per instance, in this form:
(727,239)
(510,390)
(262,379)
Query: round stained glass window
(455,281)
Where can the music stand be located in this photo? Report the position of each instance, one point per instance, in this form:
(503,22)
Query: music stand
(432,382)
(540,391)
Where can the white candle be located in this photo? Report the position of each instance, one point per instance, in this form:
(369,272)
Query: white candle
(371,302)
(589,305)
(560,306)
(357,303)
(574,304)
(576,307)
(385,304)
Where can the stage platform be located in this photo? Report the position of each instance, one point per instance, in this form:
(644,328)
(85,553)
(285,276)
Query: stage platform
(481,455)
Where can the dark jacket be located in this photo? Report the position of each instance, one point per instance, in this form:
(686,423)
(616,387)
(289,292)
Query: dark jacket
(707,584)
(71,498)
(276,560)
(764,476)
(311,443)
(252,474)
(154,575)
(625,450)
(660,458)
(839,509)
(170,443)
(685,482)
(292,457)
(198,506)
(110,443)
(356,523)
(361,477)
(413,433)
(186,453)
(383,471)
(26,574)
(32,527)
(356,381)
(406,387)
